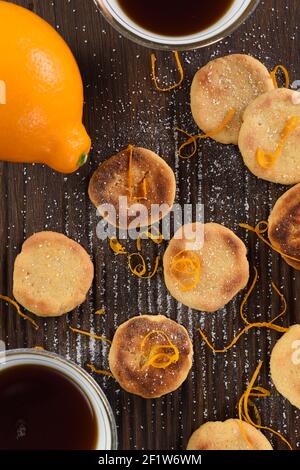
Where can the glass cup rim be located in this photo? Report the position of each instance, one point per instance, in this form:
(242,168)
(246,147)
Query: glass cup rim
(57,358)
(198,43)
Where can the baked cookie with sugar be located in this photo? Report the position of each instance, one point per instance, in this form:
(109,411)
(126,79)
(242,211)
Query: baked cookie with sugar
(142,177)
(284,225)
(228,435)
(52,274)
(226,83)
(206,274)
(285,365)
(269,139)
(150,355)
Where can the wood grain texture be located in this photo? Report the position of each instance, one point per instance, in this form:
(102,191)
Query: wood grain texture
(122,107)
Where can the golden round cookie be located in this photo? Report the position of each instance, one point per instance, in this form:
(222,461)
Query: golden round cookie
(263,124)
(111,181)
(132,347)
(285,365)
(233,81)
(52,274)
(227,435)
(222,262)
(284,225)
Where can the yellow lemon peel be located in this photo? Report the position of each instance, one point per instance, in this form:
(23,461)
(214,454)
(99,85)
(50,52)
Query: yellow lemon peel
(19,311)
(91,335)
(99,371)
(259,230)
(267,160)
(192,139)
(249,326)
(180,71)
(243,409)
(187,263)
(159,356)
(286,75)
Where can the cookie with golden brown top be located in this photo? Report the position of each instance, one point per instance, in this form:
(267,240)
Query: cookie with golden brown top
(150,355)
(285,365)
(52,274)
(284,225)
(230,82)
(208,274)
(270,136)
(138,174)
(227,435)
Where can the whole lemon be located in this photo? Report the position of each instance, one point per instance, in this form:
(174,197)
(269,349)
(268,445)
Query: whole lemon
(42,94)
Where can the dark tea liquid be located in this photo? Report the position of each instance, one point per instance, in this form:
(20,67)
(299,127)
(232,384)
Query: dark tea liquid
(41,409)
(175,17)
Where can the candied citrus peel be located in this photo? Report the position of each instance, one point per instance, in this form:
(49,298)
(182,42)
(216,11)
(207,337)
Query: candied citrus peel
(91,335)
(180,71)
(192,139)
(249,326)
(19,311)
(159,355)
(268,159)
(187,264)
(243,409)
(286,75)
(259,230)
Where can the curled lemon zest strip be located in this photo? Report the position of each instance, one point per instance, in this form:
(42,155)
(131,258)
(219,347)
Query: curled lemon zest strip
(157,356)
(192,139)
(116,246)
(19,311)
(255,410)
(286,75)
(243,409)
(152,333)
(283,300)
(183,262)
(249,292)
(157,239)
(140,269)
(101,311)
(91,335)
(269,325)
(180,70)
(268,159)
(260,231)
(99,371)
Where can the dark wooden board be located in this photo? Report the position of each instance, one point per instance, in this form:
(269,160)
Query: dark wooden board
(122,107)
